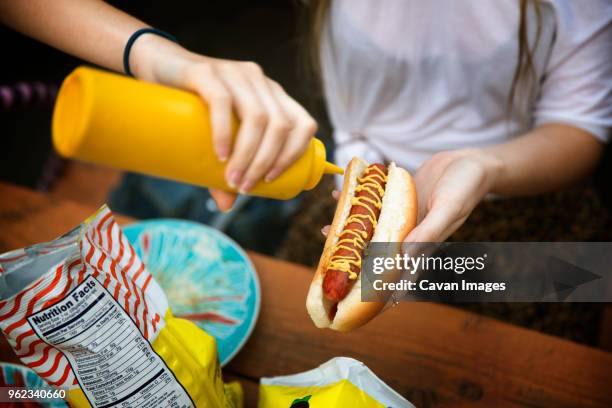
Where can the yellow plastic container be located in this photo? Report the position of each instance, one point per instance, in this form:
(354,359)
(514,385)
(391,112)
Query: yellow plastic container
(191,354)
(132,125)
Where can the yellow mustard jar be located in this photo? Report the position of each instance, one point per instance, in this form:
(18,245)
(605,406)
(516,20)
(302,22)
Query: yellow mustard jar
(132,125)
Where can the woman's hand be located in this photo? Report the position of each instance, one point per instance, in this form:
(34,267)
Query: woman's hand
(274,129)
(449,185)
(325,230)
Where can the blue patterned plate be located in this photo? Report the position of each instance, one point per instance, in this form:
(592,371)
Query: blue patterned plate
(207,278)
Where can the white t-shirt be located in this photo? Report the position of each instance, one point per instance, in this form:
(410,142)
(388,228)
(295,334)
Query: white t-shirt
(405,79)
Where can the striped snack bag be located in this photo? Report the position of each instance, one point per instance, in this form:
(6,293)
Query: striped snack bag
(87,316)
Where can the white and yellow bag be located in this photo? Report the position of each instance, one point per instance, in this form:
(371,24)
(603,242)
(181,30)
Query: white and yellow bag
(340,382)
(87,316)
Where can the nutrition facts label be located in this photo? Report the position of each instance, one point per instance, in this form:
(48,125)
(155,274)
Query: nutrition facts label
(114,364)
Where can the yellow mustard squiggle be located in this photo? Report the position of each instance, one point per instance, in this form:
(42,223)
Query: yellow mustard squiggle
(357,237)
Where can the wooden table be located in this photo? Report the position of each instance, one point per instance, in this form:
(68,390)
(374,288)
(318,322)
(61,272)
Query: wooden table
(432,354)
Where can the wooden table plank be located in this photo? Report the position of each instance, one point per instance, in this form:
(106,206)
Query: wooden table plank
(433,354)
(438,355)
(27,217)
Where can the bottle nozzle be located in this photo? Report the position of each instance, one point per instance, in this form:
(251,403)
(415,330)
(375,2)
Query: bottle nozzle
(331,168)
(319,165)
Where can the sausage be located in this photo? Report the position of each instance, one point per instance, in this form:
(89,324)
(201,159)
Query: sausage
(345,262)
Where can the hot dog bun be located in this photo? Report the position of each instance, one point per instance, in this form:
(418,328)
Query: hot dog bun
(397,218)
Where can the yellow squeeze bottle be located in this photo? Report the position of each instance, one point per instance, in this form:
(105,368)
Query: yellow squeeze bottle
(132,125)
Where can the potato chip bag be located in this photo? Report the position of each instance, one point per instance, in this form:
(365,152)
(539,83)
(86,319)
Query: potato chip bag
(85,314)
(340,382)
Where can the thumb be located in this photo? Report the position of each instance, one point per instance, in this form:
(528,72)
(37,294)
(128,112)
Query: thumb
(437,225)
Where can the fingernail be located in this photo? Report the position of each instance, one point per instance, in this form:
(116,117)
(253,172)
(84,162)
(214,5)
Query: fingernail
(226,210)
(272,174)
(233,178)
(246,186)
(223,153)
(405,248)
(325,230)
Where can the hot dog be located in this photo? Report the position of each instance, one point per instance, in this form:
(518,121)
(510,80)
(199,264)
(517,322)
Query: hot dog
(377,203)
(345,263)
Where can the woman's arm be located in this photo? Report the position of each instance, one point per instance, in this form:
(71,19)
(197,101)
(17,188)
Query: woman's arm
(551,157)
(452,183)
(89,29)
(275,130)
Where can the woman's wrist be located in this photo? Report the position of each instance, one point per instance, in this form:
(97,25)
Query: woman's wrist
(157,59)
(492,165)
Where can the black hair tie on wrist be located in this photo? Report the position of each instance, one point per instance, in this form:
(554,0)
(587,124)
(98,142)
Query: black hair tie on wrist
(132,40)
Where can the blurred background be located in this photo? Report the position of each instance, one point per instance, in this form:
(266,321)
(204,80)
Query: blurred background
(274,34)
